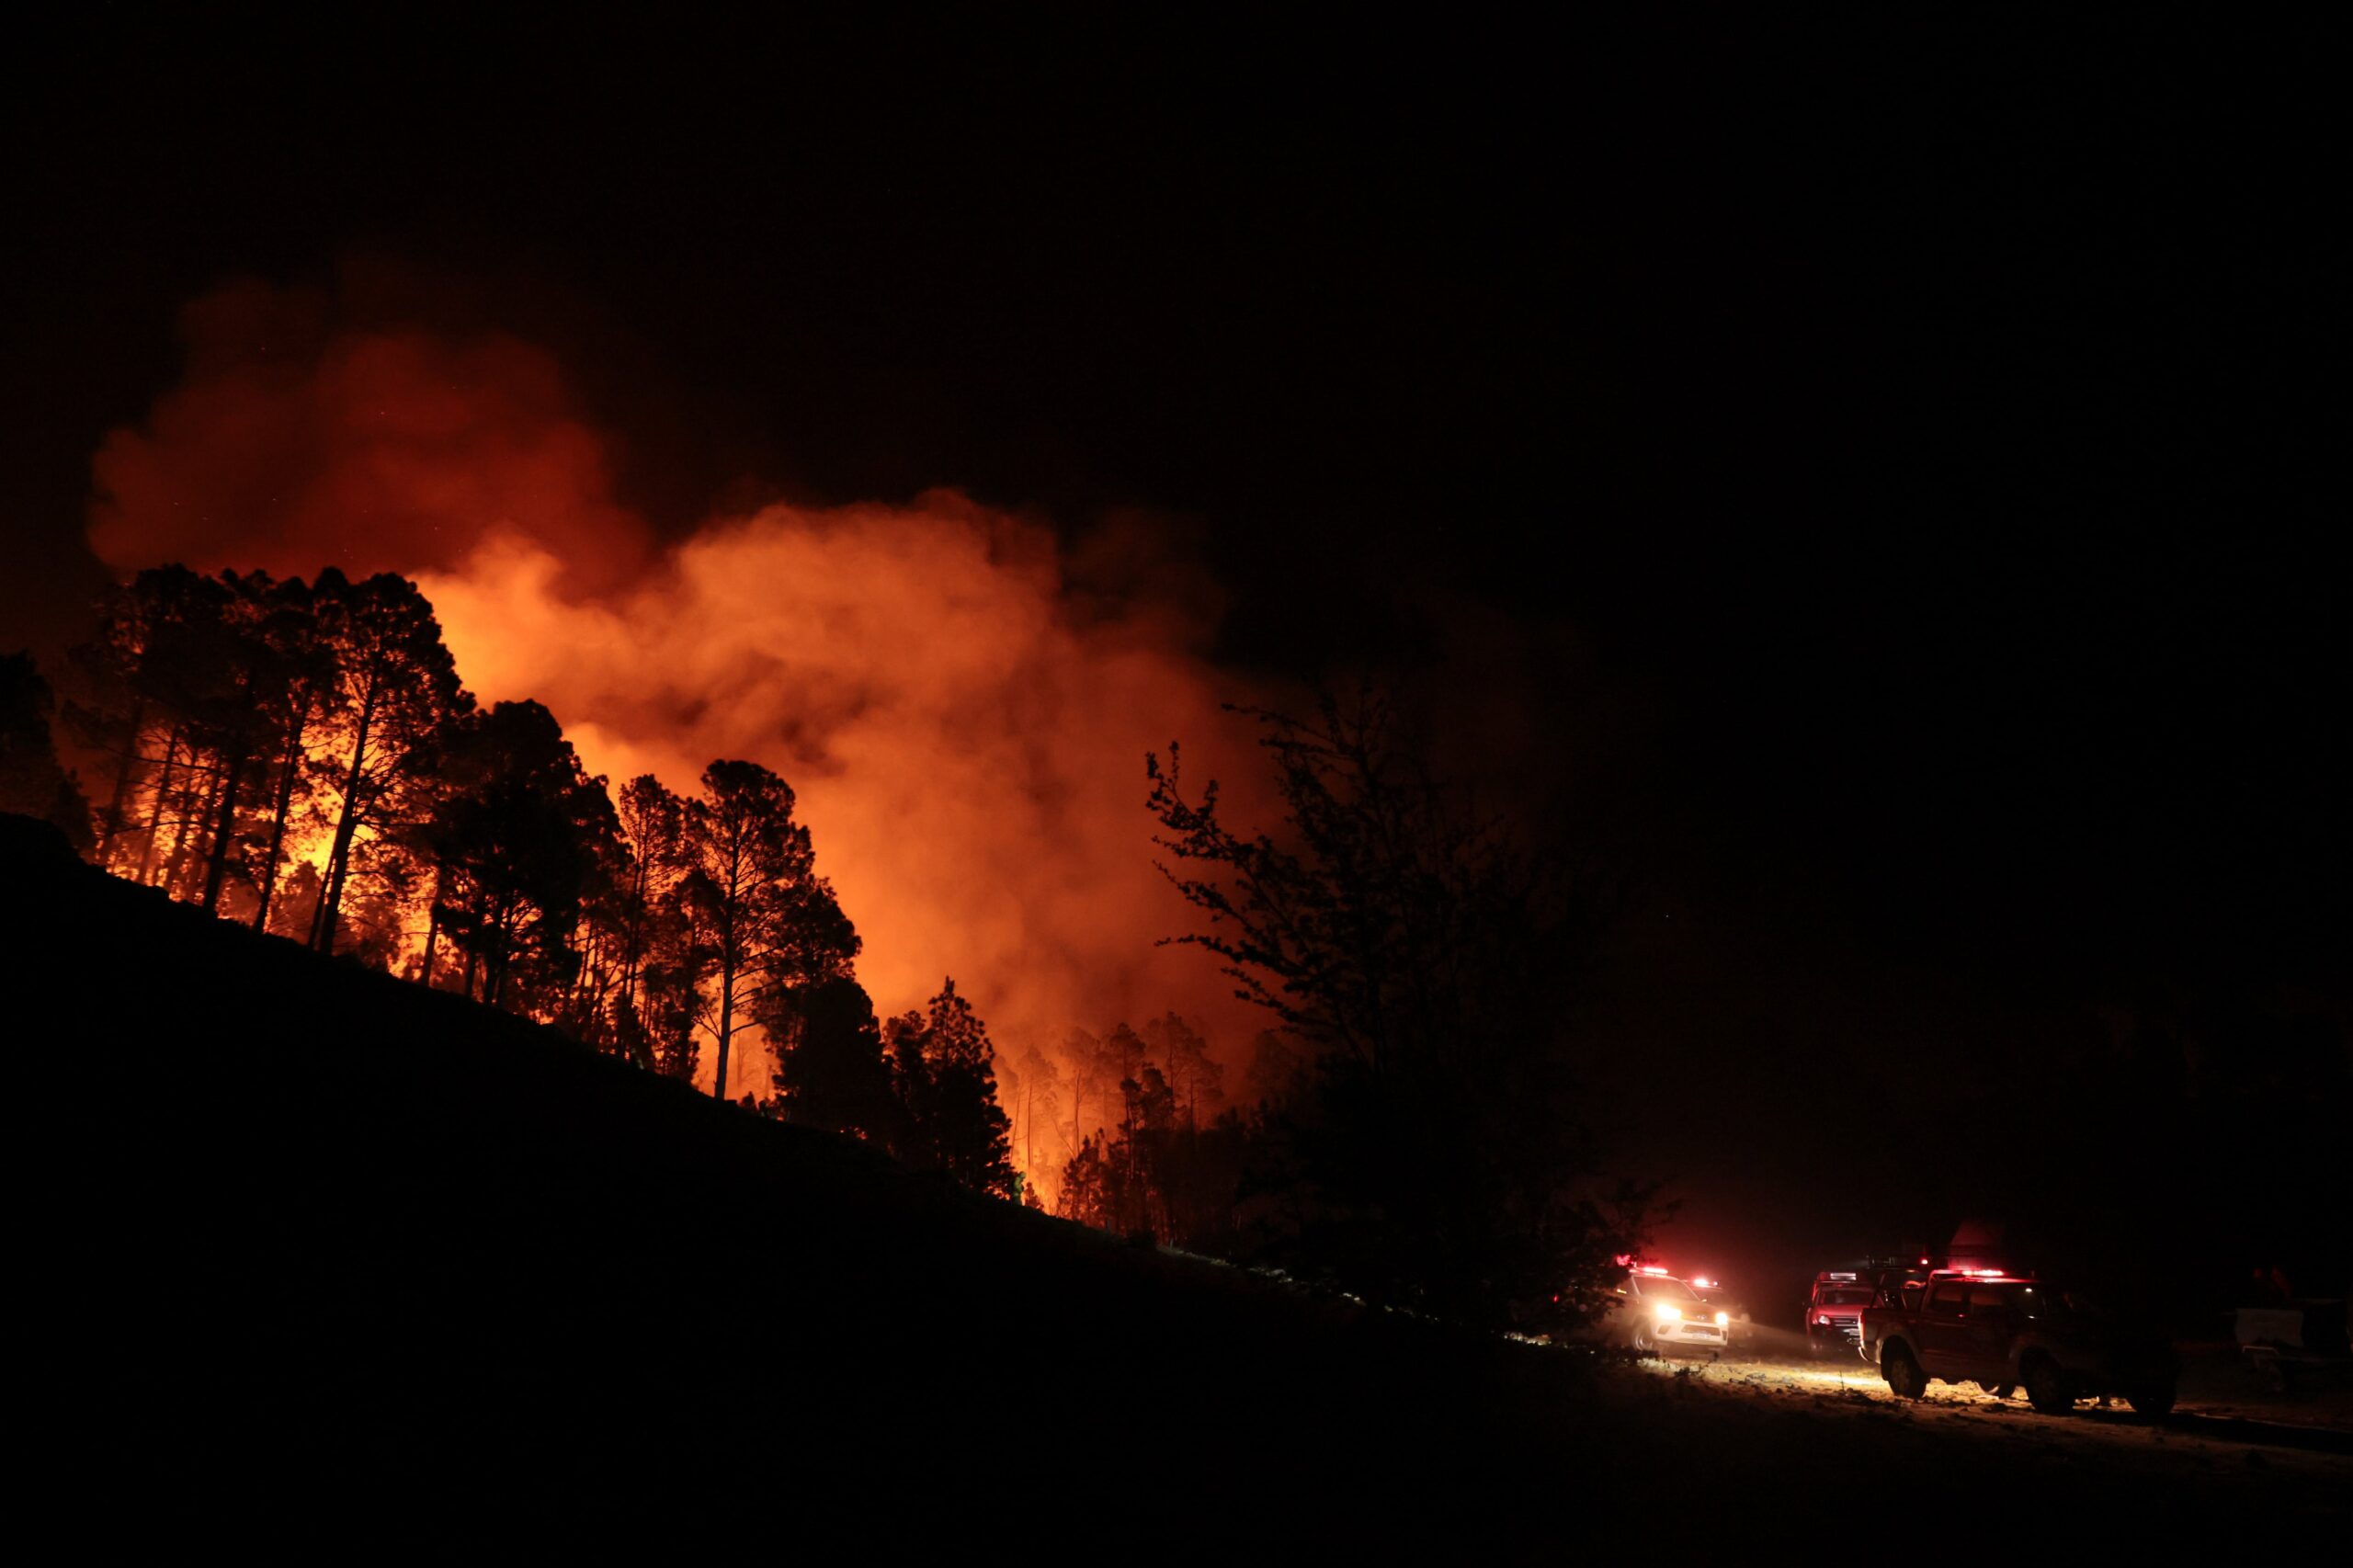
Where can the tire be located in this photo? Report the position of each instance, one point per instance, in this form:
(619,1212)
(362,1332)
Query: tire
(2046,1387)
(1640,1337)
(2153,1403)
(1903,1374)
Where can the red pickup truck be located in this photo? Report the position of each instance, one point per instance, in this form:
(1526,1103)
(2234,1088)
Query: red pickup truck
(2004,1331)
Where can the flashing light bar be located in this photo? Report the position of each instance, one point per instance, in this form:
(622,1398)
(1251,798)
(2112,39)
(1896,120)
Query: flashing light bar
(1703,1282)
(1653,1269)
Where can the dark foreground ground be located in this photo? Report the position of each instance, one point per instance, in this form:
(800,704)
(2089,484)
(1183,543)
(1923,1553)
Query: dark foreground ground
(313,1250)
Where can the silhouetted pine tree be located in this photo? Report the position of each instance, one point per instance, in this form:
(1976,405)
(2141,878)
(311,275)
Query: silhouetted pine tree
(834,1075)
(395,702)
(653,824)
(762,922)
(518,846)
(943,1067)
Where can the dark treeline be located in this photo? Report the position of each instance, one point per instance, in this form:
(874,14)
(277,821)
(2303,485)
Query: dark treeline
(301,758)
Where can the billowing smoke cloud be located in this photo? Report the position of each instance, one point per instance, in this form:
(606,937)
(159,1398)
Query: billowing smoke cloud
(962,703)
(968,754)
(292,445)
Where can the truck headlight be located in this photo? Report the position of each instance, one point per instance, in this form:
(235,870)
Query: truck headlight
(1669,1312)
(1723,1319)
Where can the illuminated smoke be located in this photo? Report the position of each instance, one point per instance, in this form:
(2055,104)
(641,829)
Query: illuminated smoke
(291,447)
(961,703)
(968,758)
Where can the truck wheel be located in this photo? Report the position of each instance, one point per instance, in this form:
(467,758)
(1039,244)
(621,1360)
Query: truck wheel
(1903,1374)
(1643,1341)
(2046,1387)
(2155,1402)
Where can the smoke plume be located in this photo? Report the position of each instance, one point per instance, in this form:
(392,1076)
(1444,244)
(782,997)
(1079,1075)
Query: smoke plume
(962,699)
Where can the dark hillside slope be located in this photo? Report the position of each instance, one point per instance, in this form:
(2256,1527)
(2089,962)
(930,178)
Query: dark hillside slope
(296,1228)
(307,1212)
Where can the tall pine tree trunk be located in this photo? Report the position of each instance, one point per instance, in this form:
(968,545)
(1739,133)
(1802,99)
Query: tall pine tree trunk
(277,814)
(347,824)
(726,1015)
(224,830)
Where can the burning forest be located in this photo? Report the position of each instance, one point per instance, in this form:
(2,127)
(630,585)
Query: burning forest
(307,754)
(302,758)
(908,894)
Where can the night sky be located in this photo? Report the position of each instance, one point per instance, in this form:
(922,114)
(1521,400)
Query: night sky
(1925,446)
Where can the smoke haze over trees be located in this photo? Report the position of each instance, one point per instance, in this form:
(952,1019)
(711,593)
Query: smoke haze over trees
(934,659)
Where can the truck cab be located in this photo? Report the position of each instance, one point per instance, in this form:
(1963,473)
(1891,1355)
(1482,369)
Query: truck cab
(1833,1312)
(2005,1331)
(1658,1314)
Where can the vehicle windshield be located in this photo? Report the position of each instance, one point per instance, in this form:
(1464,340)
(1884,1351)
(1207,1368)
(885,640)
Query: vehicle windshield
(1845,1295)
(2064,1306)
(1673,1289)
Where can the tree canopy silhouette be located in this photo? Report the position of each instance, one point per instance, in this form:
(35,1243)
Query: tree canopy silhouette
(946,1071)
(32,782)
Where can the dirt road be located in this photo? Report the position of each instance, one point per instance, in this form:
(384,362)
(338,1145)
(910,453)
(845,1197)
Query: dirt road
(2219,1406)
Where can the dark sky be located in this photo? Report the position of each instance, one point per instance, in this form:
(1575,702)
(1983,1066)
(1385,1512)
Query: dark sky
(1939,434)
